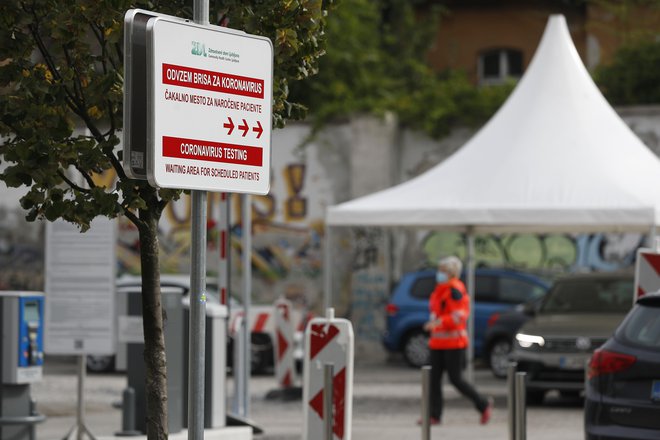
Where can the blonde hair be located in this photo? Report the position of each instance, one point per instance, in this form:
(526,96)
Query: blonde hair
(452,265)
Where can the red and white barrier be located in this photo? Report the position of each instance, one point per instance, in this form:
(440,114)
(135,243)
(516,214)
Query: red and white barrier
(284,362)
(259,320)
(328,340)
(647,272)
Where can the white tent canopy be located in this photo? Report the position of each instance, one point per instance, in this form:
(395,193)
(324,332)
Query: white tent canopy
(555,157)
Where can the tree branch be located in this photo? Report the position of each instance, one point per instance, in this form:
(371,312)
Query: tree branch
(86,176)
(133,218)
(119,169)
(70,99)
(72,184)
(77,85)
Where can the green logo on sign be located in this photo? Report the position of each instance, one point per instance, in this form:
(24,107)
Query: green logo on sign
(198,48)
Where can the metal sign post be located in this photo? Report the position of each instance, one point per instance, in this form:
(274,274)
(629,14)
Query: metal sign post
(208,118)
(197,338)
(196,354)
(80,430)
(246,227)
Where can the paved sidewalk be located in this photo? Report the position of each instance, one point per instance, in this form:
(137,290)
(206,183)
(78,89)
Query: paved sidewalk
(386,405)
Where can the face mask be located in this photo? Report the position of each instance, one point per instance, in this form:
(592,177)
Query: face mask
(441,277)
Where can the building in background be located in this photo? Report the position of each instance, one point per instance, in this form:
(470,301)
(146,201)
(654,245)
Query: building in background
(495,40)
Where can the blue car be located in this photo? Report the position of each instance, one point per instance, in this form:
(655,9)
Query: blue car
(496,290)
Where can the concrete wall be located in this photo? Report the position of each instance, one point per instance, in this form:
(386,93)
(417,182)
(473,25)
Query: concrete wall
(344,161)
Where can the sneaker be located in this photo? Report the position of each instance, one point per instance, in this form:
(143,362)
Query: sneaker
(488,412)
(432,421)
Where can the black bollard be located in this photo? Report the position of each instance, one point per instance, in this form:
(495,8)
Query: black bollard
(128,414)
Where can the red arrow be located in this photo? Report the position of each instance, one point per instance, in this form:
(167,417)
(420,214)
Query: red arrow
(229,125)
(258,129)
(338,403)
(244,127)
(282,345)
(320,337)
(284,308)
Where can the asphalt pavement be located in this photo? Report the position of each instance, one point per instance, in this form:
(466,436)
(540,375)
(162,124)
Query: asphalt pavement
(386,405)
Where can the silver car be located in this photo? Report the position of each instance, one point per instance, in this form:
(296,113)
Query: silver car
(578,314)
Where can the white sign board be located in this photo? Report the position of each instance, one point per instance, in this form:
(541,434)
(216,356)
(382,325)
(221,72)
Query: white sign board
(209,108)
(130,329)
(80,288)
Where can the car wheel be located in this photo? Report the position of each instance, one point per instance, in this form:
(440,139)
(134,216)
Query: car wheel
(498,357)
(572,394)
(416,349)
(534,397)
(100,364)
(261,353)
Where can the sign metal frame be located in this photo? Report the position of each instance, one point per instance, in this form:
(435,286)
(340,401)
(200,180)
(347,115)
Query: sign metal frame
(134,142)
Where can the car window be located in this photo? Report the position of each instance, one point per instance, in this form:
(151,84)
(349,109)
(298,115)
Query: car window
(423,287)
(613,295)
(516,291)
(642,327)
(485,288)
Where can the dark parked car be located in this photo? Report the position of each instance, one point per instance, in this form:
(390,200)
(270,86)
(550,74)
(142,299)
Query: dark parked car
(623,384)
(496,290)
(501,332)
(576,316)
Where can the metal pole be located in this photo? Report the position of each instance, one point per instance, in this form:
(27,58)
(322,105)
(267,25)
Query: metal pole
(33,413)
(81,396)
(426,410)
(521,408)
(327,276)
(224,238)
(128,414)
(197,322)
(511,399)
(238,369)
(328,391)
(247,297)
(79,427)
(471,292)
(201,12)
(651,241)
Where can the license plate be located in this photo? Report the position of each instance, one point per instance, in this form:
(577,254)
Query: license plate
(655,390)
(571,363)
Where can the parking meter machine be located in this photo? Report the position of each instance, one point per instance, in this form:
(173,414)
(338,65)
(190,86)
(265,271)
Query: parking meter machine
(21,359)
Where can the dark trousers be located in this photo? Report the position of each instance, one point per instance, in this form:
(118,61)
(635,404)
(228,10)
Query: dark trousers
(452,361)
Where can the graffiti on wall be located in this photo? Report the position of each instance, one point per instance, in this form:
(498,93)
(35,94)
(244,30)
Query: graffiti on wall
(286,253)
(368,283)
(547,252)
(21,252)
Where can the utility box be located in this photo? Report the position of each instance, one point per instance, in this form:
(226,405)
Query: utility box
(215,365)
(21,361)
(171,300)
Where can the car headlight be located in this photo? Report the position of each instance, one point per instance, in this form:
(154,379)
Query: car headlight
(528,341)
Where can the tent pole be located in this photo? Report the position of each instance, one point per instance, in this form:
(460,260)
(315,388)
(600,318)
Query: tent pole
(651,242)
(470,288)
(327,277)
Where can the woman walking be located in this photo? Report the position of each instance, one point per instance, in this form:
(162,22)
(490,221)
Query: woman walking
(449,311)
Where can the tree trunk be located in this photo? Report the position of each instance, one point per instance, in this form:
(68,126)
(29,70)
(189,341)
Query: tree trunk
(154,339)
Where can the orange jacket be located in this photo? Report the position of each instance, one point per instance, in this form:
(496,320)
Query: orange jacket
(450,307)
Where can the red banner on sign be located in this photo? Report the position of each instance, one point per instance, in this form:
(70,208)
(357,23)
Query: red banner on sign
(214,81)
(212,151)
